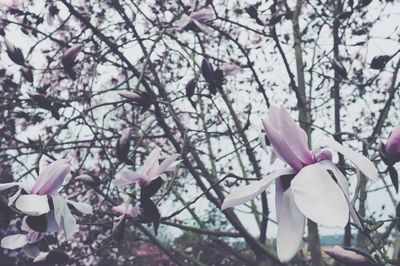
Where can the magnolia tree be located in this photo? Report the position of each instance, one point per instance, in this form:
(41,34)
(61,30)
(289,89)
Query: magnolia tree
(199,132)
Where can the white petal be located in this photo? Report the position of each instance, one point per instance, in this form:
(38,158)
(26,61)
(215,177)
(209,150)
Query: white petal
(205,29)
(181,23)
(344,185)
(318,196)
(4,186)
(34,205)
(246,193)
(12,199)
(14,241)
(81,207)
(63,216)
(126,177)
(359,160)
(291,223)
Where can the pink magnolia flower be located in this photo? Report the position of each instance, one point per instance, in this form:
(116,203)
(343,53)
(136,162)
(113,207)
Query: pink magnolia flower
(33,200)
(347,257)
(312,187)
(150,171)
(196,20)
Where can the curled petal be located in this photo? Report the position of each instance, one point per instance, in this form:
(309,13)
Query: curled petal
(34,205)
(359,160)
(291,223)
(51,177)
(246,193)
(14,241)
(318,196)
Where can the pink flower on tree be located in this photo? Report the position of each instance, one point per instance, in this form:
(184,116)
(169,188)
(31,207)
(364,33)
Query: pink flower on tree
(45,207)
(150,170)
(197,20)
(312,187)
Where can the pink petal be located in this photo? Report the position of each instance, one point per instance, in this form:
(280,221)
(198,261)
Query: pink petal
(150,165)
(318,197)
(202,15)
(168,164)
(281,148)
(291,223)
(51,177)
(295,137)
(246,193)
(127,177)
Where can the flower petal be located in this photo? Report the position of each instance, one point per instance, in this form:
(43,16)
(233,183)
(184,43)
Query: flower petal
(63,216)
(150,165)
(126,177)
(344,185)
(4,186)
(276,137)
(51,177)
(246,193)
(296,137)
(168,164)
(291,223)
(318,197)
(14,241)
(183,22)
(81,206)
(34,205)
(359,160)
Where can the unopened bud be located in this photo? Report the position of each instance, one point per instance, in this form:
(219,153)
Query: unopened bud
(123,145)
(69,56)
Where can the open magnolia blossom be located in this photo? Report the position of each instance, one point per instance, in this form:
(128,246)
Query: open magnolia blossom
(312,187)
(196,20)
(150,171)
(47,210)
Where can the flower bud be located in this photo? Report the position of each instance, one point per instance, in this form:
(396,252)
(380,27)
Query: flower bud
(88,179)
(27,73)
(392,147)
(123,145)
(68,59)
(347,257)
(14,53)
(130,95)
